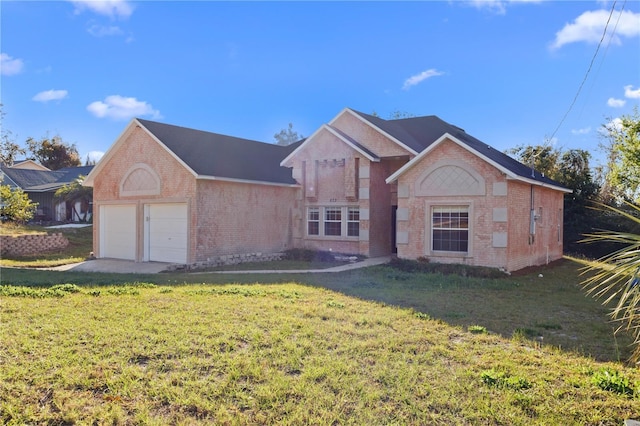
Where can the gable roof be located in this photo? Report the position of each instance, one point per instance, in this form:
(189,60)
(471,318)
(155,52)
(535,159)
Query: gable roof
(340,135)
(30,180)
(424,133)
(212,155)
(215,156)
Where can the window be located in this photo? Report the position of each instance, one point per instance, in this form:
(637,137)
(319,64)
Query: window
(450,229)
(336,221)
(333,221)
(353,221)
(313,221)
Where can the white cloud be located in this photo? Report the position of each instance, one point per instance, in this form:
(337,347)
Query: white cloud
(120,108)
(9,65)
(630,93)
(498,6)
(419,78)
(616,103)
(590,26)
(102,31)
(50,95)
(581,131)
(111,8)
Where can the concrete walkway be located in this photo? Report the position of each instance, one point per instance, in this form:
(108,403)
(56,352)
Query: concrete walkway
(130,267)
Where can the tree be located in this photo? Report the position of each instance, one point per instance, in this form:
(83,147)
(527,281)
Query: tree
(74,192)
(617,275)
(622,177)
(54,153)
(541,158)
(287,136)
(9,149)
(15,205)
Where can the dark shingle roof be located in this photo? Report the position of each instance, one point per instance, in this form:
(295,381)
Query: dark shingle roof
(44,180)
(421,132)
(216,155)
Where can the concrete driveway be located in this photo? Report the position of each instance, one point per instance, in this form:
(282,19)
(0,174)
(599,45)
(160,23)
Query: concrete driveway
(115,265)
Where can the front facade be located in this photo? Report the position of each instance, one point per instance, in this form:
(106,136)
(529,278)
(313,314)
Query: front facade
(418,187)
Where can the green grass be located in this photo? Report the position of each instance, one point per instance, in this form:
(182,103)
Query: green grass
(140,353)
(380,345)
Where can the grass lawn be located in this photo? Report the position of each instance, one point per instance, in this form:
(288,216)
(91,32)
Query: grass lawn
(370,346)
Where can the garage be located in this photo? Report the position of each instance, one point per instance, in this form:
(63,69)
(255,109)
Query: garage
(165,236)
(118,231)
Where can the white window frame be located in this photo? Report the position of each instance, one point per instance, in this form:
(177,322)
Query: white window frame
(316,220)
(344,213)
(450,209)
(353,216)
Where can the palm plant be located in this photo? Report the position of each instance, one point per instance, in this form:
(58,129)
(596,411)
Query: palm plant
(74,192)
(617,275)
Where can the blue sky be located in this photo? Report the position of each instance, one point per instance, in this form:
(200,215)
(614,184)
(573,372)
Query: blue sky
(505,71)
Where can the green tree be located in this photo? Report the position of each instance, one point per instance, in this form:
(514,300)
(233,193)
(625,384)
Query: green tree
(287,136)
(15,205)
(9,149)
(73,192)
(617,275)
(541,158)
(53,152)
(622,177)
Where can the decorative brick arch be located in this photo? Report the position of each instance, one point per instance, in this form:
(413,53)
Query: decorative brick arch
(140,179)
(450,178)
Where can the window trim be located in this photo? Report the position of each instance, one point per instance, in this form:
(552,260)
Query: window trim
(458,204)
(322,221)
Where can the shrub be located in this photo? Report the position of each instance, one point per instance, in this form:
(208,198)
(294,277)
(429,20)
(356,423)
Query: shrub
(15,205)
(422,265)
(307,255)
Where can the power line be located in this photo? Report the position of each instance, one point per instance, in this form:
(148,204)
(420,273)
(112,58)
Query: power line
(587,73)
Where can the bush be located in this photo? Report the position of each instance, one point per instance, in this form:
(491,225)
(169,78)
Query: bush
(307,255)
(15,205)
(423,265)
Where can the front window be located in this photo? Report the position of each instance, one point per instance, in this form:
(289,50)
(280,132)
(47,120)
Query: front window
(450,229)
(353,222)
(313,221)
(333,221)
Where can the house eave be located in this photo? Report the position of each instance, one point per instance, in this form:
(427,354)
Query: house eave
(247,181)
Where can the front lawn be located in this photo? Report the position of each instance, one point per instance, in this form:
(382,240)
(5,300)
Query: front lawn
(371,346)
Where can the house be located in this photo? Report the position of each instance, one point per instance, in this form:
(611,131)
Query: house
(418,187)
(40,184)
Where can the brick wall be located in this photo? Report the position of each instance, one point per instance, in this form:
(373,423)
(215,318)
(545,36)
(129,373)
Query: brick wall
(25,245)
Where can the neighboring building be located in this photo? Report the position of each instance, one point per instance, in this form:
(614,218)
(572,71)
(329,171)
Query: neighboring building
(40,184)
(418,187)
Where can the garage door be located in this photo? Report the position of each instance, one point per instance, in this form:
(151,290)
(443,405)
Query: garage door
(166,233)
(118,231)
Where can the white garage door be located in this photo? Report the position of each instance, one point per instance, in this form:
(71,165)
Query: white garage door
(118,231)
(166,233)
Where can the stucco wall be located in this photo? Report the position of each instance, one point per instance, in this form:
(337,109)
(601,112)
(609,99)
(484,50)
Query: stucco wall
(499,212)
(236,218)
(138,151)
(472,186)
(546,244)
(328,172)
(368,136)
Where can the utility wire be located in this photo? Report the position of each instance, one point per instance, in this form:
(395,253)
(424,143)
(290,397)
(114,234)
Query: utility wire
(586,74)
